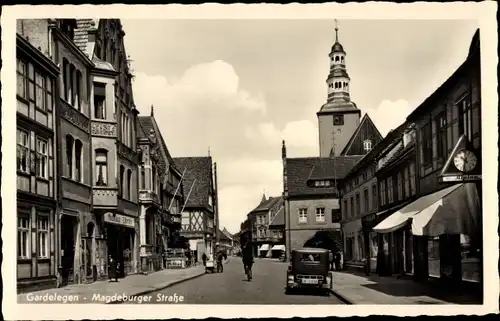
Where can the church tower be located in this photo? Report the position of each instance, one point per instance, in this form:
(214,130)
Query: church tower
(339,117)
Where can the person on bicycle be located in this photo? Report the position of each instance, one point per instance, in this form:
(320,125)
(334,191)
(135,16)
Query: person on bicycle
(247,258)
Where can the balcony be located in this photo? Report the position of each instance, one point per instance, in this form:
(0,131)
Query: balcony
(105,197)
(149,197)
(128,153)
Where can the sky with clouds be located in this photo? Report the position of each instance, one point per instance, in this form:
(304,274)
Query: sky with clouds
(239,87)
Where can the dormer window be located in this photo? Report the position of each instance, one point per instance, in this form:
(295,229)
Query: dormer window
(322,183)
(367,145)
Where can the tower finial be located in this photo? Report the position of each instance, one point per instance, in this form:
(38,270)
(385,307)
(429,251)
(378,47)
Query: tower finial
(336,31)
(152,110)
(208,150)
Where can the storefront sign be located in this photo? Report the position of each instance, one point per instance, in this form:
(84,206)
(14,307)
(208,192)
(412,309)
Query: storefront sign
(119,219)
(460,178)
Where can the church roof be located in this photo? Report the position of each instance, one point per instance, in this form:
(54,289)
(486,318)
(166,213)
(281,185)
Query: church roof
(337,47)
(304,169)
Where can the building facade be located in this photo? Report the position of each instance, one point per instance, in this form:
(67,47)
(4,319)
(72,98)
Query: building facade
(199,210)
(445,218)
(37,217)
(277,229)
(259,220)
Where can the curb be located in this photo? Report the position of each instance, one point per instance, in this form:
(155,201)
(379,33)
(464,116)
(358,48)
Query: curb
(341,297)
(161,288)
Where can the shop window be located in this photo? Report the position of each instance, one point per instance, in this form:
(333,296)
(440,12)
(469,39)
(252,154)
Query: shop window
(23,237)
(101,162)
(43,237)
(42,158)
(320,214)
(22,151)
(22,79)
(302,215)
(471,258)
(433,257)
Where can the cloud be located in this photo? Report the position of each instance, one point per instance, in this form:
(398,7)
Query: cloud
(301,135)
(244,182)
(206,85)
(389,114)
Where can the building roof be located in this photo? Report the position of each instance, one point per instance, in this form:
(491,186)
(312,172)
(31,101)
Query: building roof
(279,218)
(225,233)
(81,38)
(146,124)
(301,170)
(266,205)
(366,119)
(198,176)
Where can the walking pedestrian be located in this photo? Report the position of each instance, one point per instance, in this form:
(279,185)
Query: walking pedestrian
(338,261)
(204,259)
(331,260)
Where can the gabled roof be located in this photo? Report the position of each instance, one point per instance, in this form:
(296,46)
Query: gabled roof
(301,170)
(279,218)
(266,205)
(364,122)
(225,233)
(199,172)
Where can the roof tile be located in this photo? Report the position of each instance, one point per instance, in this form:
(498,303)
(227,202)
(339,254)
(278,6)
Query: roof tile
(199,172)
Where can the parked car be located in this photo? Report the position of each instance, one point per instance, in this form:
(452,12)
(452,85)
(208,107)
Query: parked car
(309,269)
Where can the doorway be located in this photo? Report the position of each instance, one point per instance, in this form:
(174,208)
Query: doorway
(88,252)
(115,247)
(68,233)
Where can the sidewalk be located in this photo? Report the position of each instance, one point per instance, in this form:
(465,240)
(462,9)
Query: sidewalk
(360,289)
(109,292)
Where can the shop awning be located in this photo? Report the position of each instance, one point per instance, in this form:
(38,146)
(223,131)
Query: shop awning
(457,212)
(264,247)
(278,248)
(399,218)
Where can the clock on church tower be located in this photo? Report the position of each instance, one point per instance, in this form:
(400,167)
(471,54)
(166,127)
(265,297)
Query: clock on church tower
(338,120)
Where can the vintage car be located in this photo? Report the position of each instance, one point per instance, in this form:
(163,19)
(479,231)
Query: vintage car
(309,269)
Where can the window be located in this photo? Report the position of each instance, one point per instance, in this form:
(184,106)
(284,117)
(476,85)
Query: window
(65,66)
(353,210)
(441,135)
(310,258)
(43,237)
(78,90)
(71,87)
(358,204)
(143,177)
(320,214)
(69,154)
(129,183)
(400,186)
(426,144)
(22,151)
(302,215)
(99,101)
(382,193)
(42,158)
(101,164)
(465,117)
(338,120)
(40,98)
(78,160)
(154,179)
(406,174)
(366,200)
(374,196)
(413,188)
(367,145)
(346,210)
(22,79)
(23,237)
(122,180)
(390,190)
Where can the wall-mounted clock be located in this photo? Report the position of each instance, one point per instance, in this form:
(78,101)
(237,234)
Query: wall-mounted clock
(465,160)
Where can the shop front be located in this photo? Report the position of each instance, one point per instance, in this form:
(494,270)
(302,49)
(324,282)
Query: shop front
(120,231)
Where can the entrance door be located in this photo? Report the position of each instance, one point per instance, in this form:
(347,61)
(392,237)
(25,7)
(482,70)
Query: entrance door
(68,224)
(115,247)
